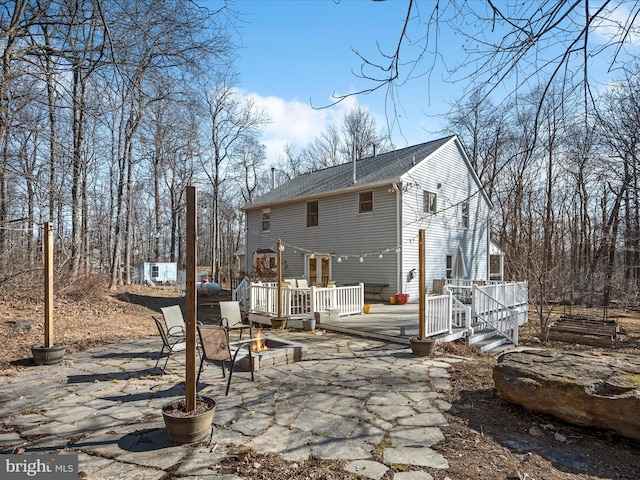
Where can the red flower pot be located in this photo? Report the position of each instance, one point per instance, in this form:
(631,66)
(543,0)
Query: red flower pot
(402,298)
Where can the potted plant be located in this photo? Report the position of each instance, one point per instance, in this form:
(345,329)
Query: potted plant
(49,353)
(421,345)
(402,298)
(190,419)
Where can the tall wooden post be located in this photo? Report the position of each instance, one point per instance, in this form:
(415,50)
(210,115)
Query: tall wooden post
(279,280)
(421,286)
(48,284)
(191,300)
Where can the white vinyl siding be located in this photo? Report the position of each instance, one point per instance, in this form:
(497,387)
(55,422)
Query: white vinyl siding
(444,231)
(343,232)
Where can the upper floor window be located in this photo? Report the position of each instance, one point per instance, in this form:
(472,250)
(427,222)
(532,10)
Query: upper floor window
(465,215)
(449,267)
(366,202)
(266,220)
(312,214)
(430,204)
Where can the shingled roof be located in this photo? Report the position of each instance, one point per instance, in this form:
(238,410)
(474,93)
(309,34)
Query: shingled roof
(384,167)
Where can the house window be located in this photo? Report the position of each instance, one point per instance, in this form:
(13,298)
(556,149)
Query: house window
(155,271)
(312,214)
(366,202)
(449,266)
(465,215)
(430,203)
(266,220)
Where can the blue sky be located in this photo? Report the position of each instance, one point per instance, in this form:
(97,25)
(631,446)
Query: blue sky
(299,52)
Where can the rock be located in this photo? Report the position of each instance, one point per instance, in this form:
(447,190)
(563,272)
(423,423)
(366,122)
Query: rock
(591,389)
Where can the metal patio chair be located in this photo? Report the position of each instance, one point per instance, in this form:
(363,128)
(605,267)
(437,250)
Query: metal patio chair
(215,344)
(174,321)
(171,344)
(232,320)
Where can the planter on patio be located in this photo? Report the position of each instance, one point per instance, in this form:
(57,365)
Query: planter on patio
(422,348)
(402,298)
(278,323)
(189,427)
(48,355)
(309,324)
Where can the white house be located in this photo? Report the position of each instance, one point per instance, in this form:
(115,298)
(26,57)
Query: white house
(359,222)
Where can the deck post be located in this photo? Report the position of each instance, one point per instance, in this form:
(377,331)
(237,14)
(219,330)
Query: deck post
(421,287)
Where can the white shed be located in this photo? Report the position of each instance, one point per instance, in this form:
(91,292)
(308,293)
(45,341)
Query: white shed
(158,272)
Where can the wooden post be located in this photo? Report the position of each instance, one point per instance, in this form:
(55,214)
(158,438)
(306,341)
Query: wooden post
(48,284)
(279,279)
(191,300)
(421,286)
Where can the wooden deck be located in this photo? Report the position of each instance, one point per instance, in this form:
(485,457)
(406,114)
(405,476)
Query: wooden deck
(393,323)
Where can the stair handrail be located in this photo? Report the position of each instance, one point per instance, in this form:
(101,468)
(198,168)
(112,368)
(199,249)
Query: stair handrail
(241,292)
(512,315)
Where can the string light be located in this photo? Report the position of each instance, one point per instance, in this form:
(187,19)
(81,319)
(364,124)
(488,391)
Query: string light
(339,258)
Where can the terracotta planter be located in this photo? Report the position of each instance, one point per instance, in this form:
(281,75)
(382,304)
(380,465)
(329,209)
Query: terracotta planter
(278,323)
(48,355)
(189,427)
(422,348)
(402,298)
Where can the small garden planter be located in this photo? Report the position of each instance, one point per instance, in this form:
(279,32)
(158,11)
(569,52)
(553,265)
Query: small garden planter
(191,427)
(278,323)
(402,298)
(422,348)
(48,355)
(309,324)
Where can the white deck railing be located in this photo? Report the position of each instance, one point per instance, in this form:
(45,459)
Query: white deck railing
(502,306)
(304,302)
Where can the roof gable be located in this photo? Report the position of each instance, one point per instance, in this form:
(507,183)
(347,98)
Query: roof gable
(386,167)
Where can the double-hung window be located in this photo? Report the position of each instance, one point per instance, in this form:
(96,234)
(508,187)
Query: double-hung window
(365,202)
(312,213)
(266,220)
(465,215)
(430,203)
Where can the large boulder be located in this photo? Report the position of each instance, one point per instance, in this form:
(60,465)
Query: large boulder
(591,389)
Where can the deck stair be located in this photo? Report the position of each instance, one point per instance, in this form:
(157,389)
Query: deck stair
(486,339)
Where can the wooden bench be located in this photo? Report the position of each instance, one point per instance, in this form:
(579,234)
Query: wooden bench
(583,330)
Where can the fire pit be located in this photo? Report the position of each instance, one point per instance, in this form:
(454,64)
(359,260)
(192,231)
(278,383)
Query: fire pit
(270,351)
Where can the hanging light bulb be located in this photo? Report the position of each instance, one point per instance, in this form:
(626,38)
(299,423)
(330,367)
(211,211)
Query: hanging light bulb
(361,259)
(312,256)
(339,259)
(397,249)
(380,256)
(282,247)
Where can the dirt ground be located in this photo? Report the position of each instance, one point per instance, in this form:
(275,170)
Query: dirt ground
(487,438)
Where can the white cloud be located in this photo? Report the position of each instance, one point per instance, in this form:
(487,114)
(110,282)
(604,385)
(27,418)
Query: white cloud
(294,122)
(612,25)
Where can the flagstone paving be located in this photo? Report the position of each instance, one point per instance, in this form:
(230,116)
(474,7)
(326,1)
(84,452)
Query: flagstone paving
(351,398)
